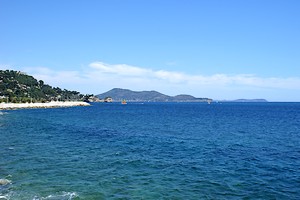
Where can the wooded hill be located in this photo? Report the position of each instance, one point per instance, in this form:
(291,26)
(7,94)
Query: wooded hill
(16,86)
(118,94)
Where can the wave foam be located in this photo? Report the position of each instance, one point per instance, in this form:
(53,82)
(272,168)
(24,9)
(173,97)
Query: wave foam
(63,196)
(4,197)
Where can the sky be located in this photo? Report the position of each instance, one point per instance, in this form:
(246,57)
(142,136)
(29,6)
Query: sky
(221,49)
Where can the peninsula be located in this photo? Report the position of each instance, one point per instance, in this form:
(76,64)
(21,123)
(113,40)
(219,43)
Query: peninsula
(119,94)
(19,90)
(18,87)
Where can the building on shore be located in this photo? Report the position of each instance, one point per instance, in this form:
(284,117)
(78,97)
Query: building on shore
(108,100)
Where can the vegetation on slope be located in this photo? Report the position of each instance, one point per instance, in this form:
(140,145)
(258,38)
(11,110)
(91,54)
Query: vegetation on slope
(119,94)
(17,87)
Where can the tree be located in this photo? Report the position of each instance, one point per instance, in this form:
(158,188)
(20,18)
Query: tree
(41,83)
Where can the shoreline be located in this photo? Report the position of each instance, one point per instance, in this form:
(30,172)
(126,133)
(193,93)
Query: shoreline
(52,104)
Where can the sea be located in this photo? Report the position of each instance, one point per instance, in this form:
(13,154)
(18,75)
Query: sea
(151,151)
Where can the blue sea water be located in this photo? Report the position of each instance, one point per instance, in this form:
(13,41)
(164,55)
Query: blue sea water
(152,151)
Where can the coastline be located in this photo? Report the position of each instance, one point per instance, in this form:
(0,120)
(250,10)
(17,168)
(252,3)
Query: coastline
(52,104)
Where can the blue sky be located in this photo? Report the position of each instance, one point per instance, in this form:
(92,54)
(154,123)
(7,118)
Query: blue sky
(220,49)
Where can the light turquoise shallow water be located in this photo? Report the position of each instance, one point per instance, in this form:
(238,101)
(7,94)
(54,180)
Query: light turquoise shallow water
(152,151)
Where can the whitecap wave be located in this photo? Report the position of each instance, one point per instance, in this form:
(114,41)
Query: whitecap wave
(4,197)
(62,196)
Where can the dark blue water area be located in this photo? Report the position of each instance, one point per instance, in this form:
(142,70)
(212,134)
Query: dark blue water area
(152,151)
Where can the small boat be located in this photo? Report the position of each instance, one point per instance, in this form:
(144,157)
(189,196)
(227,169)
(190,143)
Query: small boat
(124,101)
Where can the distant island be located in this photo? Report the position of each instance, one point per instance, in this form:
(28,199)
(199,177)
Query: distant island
(246,100)
(250,100)
(118,94)
(18,87)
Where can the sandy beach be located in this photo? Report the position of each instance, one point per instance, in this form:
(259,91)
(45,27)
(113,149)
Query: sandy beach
(52,104)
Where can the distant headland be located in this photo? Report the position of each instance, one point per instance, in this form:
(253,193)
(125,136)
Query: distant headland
(19,90)
(18,87)
(119,94)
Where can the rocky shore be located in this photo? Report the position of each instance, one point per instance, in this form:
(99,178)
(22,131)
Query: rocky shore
(52,104)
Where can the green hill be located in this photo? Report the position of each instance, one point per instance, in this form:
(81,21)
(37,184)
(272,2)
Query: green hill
(119,94)
(16,87)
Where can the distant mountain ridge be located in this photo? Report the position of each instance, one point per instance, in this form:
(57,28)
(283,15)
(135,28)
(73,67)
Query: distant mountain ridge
(119,94)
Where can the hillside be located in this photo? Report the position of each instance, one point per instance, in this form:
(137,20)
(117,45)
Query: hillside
(119,94)
(16,87)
